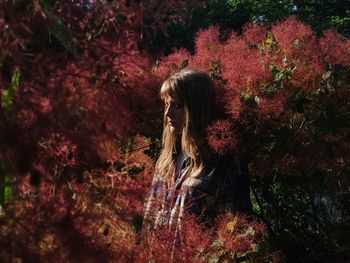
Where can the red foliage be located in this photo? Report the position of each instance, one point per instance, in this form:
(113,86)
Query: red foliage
(233,105)
(196,240)
(82,82)
(292,33)
(232,234)
(221,137)
(255,34)
(273,105)
(243,67)
(299,50)
(79,82)
(208,50)
(239,234)
(335,50)
(172,63)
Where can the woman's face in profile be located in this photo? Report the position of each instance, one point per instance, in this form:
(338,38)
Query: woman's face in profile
(175,115)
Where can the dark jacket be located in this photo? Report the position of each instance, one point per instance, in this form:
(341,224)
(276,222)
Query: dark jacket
(222,186)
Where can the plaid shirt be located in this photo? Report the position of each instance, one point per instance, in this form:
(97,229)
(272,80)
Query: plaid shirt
(222,186)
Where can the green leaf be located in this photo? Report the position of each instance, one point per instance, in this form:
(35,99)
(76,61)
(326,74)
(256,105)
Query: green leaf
(279,75)
(117,206)
(134,170)
(60,31)
(284,73)
(8,193)
(270,43)
(269,89)
(214,260)
(246,96)
(118,165)
(326,75)
(6,99)
(184,64)
(216,243)
(231,225)
(46,4)
(15,78)
(8,95)
(250,99)
(270,146)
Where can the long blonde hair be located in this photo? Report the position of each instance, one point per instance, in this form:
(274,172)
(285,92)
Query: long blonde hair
(195,91)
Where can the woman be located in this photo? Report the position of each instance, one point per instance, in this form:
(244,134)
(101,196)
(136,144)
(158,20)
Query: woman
(189,176)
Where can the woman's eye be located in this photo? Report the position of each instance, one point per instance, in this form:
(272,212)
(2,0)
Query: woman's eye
(172,104)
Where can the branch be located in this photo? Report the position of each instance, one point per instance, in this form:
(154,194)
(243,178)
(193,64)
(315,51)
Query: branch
(263,217)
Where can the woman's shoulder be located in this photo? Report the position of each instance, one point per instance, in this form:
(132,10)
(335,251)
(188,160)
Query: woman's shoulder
(227,163)
(211,175)
(221,164)
(221,186)
(225,171)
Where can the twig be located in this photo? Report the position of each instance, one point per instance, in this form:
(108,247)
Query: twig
(262,215)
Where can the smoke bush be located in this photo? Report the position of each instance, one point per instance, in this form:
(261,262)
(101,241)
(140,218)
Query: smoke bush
(79,116)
